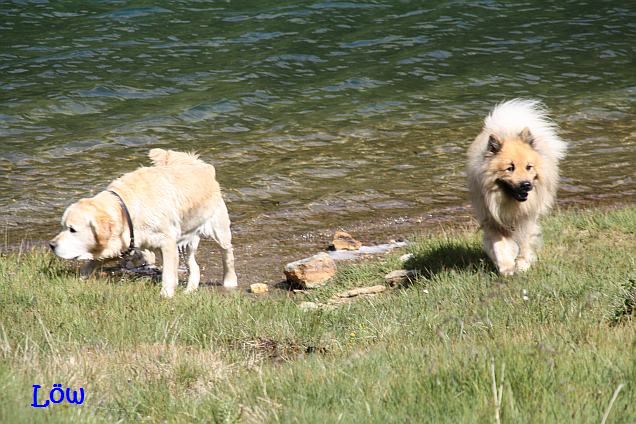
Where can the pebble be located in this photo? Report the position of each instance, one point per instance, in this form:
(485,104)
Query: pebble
(258,288)
(344,241)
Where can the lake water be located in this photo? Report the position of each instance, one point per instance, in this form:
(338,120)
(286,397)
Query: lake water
(317,115)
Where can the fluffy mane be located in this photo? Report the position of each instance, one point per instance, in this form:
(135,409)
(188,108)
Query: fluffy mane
(506,120)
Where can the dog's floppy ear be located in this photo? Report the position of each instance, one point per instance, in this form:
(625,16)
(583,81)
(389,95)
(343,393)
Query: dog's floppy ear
(102,228)
(494,145)
(526,136)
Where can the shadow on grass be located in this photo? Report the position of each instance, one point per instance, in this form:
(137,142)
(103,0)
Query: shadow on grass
(109,272)
(625,312)
(449,255)
(278,350)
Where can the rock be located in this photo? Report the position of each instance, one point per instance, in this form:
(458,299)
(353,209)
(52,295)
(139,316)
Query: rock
(309,306)
(360,291)
(400,276)
(311,272)
(344,298)
(259,288)
(350,295)
(344,241)
(406,257)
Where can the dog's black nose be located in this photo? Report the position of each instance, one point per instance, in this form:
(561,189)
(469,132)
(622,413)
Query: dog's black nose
(52,245)
(525,186)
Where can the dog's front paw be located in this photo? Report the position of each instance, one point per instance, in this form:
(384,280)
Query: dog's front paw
(167,293)
(507,269)
(522,265)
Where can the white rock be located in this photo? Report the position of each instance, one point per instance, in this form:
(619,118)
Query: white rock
(406,257)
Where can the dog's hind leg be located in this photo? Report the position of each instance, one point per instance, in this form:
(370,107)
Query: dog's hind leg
(229,274)
(220,232)
(169,273)
(501,250)
(194,273)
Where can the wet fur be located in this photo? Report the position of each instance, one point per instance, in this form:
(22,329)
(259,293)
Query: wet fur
(515,132)
(172,205)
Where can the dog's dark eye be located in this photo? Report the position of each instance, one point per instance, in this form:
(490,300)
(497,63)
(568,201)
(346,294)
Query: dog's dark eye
(511,168)
(72,230)
(528,167)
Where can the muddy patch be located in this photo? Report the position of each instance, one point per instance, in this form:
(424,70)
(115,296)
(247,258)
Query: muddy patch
(278,350)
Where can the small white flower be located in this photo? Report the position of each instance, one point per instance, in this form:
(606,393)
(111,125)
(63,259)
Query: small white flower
(524,294)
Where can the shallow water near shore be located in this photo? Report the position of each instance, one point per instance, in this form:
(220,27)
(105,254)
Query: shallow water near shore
(317,116)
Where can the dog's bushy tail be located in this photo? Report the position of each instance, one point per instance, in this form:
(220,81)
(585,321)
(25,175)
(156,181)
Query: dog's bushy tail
(161,157)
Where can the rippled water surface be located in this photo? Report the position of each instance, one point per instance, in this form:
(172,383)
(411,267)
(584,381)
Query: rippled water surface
(316,115)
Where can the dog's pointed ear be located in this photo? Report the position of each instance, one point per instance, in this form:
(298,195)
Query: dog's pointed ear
(526,136)
(102,228)
(158,157)
(494,144)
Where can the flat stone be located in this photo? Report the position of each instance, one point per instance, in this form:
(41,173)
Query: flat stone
(400,276)
(337,301)
(344,241)
(361,291)
(258,288)
(311,272)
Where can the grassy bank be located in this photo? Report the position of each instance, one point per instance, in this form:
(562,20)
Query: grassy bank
(561,340)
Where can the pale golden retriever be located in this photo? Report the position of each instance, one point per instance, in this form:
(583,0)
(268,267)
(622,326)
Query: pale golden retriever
(168,206)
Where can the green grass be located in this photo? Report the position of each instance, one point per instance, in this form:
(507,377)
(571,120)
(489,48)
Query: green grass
(420,353)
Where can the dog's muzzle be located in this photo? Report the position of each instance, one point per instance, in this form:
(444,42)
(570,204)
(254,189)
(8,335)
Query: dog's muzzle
(519,192)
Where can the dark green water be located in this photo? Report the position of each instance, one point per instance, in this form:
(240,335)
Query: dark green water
(316,114)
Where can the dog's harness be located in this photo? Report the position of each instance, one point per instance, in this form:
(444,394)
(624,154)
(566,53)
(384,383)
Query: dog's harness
(131,247)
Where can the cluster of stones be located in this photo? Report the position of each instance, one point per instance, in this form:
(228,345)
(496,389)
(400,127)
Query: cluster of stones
(316,271)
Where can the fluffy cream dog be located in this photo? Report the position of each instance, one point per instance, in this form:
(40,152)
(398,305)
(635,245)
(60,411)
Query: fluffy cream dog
(513,175)
(168,206)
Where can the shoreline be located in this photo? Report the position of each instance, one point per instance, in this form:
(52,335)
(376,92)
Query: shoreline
(261,260)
